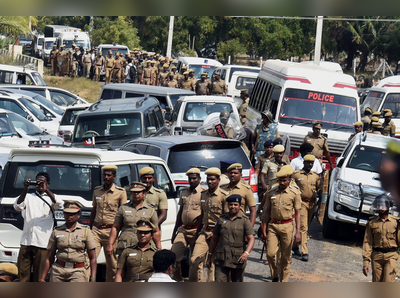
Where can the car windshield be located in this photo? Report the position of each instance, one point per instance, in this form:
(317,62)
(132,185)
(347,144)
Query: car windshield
(6,126)
(366,158)
(38,80)
(233,69)
(330,109)
(372,101)
(245,83)
(48,104)
(40,41)
(174,98)
(106,126)
(48,45)
(68,43)
(34,109)
(205,155)
(198,111)
(105,50)
(199,69)
(24,126)
(69,117)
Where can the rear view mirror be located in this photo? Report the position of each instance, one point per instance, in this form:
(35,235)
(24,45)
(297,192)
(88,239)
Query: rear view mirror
(151,130)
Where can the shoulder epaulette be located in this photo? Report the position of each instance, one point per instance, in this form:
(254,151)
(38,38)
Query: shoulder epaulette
(119,187)
(223,185)
(294,189)
(245,184)
(158,190)
(224,192)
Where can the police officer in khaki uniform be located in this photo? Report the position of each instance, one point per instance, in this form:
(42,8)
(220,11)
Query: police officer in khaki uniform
(223,166)
(191,75)
(358,126)
(98,66)
(118,65)
(87,61)
(181,75)
(388,127)
(271,167)
(376,128)
(239,187)
(177,76)
(106,200)
(148,74)
(212,206)
(8,272)
(162,76)
(186,219)
(281,202)
(186,83)
(108,66)
(366,120)
(218,86)
(60,61)
(155,197)
(201,86)
(309,183)
(171,82)
(127,217)
(155,71)
(244,95)
(136,261)
(53,60)
(261,160)
(319,142)
(381,242)
(228,243)
(69,243)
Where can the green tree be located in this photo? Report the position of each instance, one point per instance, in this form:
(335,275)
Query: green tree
(232,47)
(15,25)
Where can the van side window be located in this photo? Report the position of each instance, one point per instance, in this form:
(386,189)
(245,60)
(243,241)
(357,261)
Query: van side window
(223,74)
(163,101)
(274,99)
(153,151)
(162,180)
(392,102)
(141,147)
(111,94)
(6,77)
(130,94)
(159,116)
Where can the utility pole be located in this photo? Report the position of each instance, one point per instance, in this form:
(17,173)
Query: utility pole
(318,38)
(170,35)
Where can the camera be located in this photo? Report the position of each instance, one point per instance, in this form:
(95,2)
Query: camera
(27,183)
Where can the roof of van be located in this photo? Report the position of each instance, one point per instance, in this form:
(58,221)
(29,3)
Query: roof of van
(198,60)
(328,65)
(16,68)
(392,82)
(112,45)
(247,74)
(147,89)
(239,66)
(208,98)
(134,104)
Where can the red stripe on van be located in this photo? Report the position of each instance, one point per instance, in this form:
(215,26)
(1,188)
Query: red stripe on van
(391,85)
(344,85)
(285,77)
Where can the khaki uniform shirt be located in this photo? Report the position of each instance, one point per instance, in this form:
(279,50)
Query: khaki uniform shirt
(99,61)
(366,122)
(137,264)
(107,203)
(127,216)
(243,189)
(109,62)
(389,129)
(148,72)
(87,58)
(202,87)
(71,245)
(118,64)
(270,169)
(187,84)
(191,205)
(177,77)
(54,54)
(231,242)
(224,179)
(171,83)
(212,206)
(379,234)
(156,198)
(217,87)
(283,204)
(155,70)
(308,184)
(162,77)
(320,145)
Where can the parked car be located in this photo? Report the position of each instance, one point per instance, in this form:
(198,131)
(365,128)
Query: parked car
(58,96)
(74,174)
(227,71)
(190,112)
(114,122)
(68,119)
(358,165)
(184,152)
(241,80)
(11,74)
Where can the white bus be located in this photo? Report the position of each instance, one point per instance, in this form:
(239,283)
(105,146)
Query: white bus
(297,94)
(55,30)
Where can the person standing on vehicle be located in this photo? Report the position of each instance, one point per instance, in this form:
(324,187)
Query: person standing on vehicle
(212,206)
(70,243)
(99,62)
(107,198)
(358,126)
(39,208)
(201,86)
(320,143)
(155,197)
(187,219)
(53,60)
(240,187)
(244,95)
(218,86)
(232,232)
(108,67)
(278,223)
(388,127)
(268,130)
(366,120)
(309,183)
(381,242)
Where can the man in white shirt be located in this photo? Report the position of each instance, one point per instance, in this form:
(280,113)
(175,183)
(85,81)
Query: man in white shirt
(298,162)
(38,225)
(129,79)
(163,265)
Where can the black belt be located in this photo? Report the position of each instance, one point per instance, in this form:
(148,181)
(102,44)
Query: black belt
(385,250)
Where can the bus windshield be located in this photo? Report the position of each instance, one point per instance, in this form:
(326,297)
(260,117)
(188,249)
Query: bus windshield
(332,110)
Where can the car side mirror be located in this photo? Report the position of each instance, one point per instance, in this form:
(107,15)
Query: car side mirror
(151,130)
(340,162)
(67,137)
(29,117)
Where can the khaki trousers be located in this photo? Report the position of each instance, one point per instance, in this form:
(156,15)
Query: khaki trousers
(280,236)
(61,274)
(146,81)
(116,75)
(183,239)
(384,266)
(197,260)
(97,70)
(101,240)
(86,69)
(225,274)
(30,257)
(54,66)
(306,212)
(108,75)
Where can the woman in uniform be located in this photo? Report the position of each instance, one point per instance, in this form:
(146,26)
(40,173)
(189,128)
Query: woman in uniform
(136,261)
(69,243)
(126,220)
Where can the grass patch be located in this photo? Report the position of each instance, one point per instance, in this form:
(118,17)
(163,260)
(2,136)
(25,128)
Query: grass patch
(83,87)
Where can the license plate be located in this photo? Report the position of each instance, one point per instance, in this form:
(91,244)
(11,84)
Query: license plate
(59,214)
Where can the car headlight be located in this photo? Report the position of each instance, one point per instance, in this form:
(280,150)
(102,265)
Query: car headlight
(348,189)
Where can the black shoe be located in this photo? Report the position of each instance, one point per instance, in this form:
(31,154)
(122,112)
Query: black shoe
(275,279)
(304,257)
(296,252)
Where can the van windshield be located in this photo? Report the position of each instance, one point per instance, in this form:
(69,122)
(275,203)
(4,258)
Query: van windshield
(38,79)
(198,111)
(372,101)
(107,126)
(245,83)
(48,45)
(104,50)
(68,43)
(332,110)
(366,158)
(199,69)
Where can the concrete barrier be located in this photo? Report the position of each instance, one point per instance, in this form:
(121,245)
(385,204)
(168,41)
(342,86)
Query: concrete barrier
(24,60)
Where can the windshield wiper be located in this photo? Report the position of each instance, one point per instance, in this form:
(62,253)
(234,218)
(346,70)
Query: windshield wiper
(202,167)
(301,123)
(8,134)
(338,127)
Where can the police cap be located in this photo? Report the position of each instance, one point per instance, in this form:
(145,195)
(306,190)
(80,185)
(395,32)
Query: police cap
(358,123)
(109,52)
(191,70)
(144,225)
(165,65)
(317,124)
(193,171)
(388,114)
(286,171)
(162,59)
(278,149)
(152,61)
(386,111)
(377,125)
(173,67)
(368,110)
(184,67)
(213,172)
(8,269)
(224,114)
(186,73)
(203,74)
(377,114)
(235,166)
(113,168)
(309,157)
(234,199)
(138,186)
(72,206)
(171,74)
(268,143)
(374,119)
(146,171)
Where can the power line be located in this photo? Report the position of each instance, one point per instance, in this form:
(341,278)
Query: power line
(324,18)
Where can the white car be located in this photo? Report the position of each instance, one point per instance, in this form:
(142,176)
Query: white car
(190,112)
(68,119)
(357,168)
(241,80)
(226,72)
